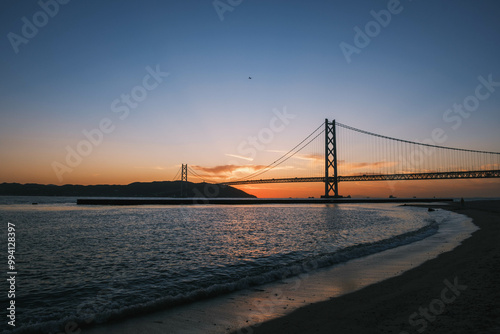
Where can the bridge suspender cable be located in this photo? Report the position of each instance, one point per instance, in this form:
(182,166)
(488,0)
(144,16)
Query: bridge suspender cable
(412,142)
(196,174)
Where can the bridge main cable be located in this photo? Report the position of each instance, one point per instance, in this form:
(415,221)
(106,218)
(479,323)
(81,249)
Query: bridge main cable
(275,163)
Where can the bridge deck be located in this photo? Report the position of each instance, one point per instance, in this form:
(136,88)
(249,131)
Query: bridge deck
(381,177)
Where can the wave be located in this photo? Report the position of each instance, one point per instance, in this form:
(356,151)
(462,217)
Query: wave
(104,309)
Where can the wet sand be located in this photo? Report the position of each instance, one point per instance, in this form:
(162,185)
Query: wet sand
(457,292)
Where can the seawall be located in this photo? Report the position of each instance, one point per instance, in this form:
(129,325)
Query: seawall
(249,201)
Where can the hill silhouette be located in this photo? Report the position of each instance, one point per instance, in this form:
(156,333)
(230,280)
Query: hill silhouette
(136,189)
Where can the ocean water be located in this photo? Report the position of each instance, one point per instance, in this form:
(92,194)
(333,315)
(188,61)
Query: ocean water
(93,264)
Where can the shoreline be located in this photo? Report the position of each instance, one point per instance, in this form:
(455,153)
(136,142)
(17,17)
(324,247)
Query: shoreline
(405,303)
(250,307)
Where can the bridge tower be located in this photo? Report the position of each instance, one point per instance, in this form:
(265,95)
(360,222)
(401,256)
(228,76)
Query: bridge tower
(331,184)
(184,173)
(184,177)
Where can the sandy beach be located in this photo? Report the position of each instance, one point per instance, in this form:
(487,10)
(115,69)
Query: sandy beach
(457,292)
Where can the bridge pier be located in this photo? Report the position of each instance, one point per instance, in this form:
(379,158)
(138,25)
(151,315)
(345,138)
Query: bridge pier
(331,182)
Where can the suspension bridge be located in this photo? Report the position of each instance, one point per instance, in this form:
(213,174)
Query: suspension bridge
(335,152)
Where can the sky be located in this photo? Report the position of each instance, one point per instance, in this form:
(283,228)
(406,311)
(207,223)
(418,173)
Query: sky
(116,92)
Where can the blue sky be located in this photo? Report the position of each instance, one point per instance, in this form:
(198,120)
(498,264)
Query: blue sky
(64,79)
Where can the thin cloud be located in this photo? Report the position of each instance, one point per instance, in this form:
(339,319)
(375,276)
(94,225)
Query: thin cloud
(239,157)
(313,157)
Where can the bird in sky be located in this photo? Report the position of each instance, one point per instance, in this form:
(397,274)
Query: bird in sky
(249,77)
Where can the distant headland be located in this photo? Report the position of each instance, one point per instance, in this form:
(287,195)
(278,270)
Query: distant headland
(174,189)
